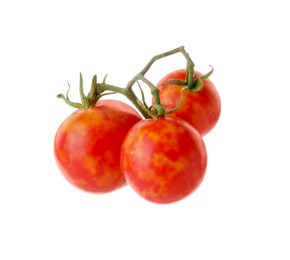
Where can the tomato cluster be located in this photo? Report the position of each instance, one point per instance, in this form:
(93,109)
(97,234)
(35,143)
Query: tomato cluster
(104,146)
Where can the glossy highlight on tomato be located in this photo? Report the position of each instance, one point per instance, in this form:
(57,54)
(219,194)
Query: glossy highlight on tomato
(164,160)
(87,145)
(201,108)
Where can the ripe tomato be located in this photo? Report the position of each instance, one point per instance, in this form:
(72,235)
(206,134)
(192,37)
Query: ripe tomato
(87,145)
(164,159)
(201,109)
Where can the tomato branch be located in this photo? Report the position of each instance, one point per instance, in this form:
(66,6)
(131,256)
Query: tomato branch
(98,90)
(181,49)
(129,94)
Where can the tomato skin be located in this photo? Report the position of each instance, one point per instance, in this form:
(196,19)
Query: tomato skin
(163,160)
(201,109)
(87,145)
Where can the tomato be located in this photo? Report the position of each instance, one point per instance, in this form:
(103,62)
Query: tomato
(164,159)
(87,145)
(201,109)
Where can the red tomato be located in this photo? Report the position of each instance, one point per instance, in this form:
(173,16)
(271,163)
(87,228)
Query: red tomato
(87,145)
(164,159)
(201,109)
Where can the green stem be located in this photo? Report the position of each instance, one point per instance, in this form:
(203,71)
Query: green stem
(190,82)
(129,94)
(154,59)
(189,70)
(100,89)
(155,92)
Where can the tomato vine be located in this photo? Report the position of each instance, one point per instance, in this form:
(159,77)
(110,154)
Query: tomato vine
(98,90)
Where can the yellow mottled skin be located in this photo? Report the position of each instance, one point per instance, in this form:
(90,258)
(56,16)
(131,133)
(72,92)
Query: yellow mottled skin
(87,145)
(164,159)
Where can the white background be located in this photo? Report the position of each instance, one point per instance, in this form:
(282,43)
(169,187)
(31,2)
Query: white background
(241,211)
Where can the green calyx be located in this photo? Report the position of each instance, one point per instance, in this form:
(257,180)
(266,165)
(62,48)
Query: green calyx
(91,99)
(197,83)
(193,83)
